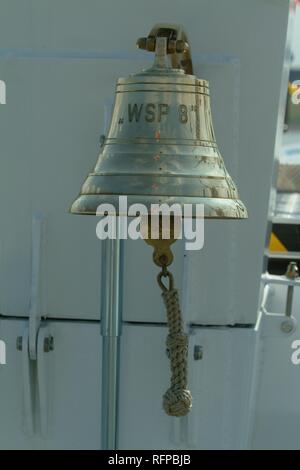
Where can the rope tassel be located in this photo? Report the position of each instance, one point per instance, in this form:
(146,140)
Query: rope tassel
(177,401)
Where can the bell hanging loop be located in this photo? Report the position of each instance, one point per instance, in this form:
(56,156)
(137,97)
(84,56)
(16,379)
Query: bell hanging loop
(177,45)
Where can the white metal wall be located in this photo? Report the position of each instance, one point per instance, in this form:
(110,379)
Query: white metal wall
(60,60)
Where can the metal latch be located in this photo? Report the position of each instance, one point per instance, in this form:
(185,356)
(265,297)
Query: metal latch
(36,339)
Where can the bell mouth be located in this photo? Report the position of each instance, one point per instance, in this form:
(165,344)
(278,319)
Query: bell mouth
(214,208)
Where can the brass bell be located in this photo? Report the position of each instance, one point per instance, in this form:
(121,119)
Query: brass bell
(161,146)
(161,149)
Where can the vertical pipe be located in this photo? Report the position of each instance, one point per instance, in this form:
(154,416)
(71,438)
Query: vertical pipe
(111,280)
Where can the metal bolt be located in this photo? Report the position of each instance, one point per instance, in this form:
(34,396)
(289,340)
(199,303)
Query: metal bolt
(181,46)
(174,45)
(19,343)
(141,43)
(292,270)
(48,344)
(150,43)
(198,352)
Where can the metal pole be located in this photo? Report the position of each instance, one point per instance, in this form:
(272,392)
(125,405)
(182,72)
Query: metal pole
(111,314)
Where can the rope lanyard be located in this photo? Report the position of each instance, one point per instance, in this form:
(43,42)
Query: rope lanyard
(177,401)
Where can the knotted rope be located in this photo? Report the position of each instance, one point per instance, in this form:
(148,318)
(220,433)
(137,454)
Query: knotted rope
(177,401)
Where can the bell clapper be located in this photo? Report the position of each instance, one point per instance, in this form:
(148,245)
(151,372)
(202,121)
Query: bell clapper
(177,401)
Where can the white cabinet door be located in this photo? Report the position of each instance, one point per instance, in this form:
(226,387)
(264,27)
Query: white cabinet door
(220,384)
(66,406)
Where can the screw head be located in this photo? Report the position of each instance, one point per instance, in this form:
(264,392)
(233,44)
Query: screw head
(287,326)
(19,343)
(48,344)
(198,352)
